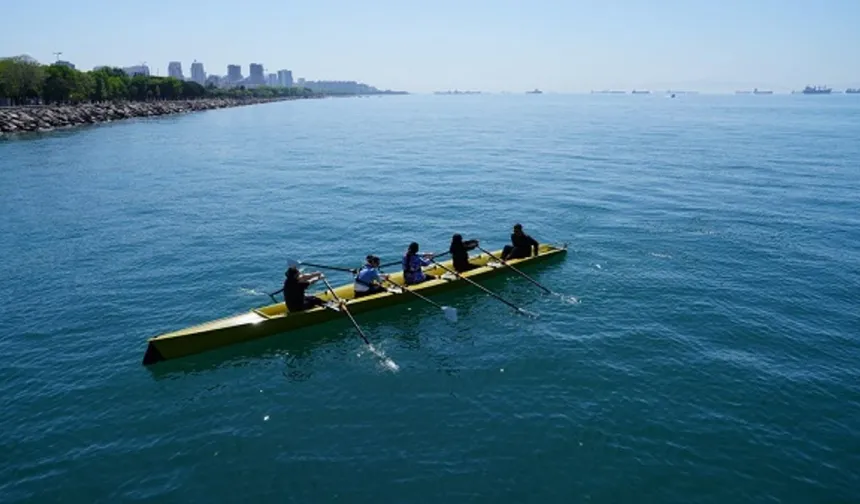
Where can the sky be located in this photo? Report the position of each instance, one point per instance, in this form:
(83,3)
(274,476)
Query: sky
(488,45)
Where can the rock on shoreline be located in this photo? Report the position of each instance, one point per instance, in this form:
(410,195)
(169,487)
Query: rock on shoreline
(47,117)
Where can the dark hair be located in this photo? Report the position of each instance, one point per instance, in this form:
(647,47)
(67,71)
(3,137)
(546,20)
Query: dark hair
(518,226)
(372,259)
(413,249)
(292,272)
(457,238)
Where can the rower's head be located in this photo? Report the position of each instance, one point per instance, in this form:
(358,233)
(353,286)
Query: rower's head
(518,228)
(373,260)
(292,271)
(413,248)
(456,239)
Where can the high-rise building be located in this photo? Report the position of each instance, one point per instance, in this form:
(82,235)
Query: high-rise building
(272,80)
(65,64)
(256,76)
(285,78)
(174,69)
(234,74)
(198,75)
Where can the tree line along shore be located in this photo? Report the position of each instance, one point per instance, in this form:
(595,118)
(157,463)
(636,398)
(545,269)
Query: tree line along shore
(36,97)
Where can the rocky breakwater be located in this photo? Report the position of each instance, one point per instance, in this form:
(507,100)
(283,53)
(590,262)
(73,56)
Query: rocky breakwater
(48,117)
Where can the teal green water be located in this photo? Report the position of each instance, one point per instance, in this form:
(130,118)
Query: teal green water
(704,348)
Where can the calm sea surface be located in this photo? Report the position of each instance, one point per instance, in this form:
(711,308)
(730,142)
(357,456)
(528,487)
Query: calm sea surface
(705,346)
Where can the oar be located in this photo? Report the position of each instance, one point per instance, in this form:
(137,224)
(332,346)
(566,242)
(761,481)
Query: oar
(342,305)
(395,263)
(320,266)
(294,262)
(450,313)
(530,279)
(488,291)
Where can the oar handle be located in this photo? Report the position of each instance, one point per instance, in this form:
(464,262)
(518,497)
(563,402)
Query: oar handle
(395,263)
(488,291)
(530,279)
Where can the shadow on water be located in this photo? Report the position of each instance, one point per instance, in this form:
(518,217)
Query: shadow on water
(299,347)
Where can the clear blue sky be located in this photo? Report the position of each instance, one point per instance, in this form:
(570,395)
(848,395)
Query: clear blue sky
(493,45)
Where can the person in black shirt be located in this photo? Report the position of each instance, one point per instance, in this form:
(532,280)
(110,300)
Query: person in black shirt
(294,290)
(522,245)
(460,253)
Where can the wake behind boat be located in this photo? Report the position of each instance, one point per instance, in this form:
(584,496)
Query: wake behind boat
(275,318)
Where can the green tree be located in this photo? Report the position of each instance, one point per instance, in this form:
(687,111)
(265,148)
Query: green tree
(83,88)
(138,88)
(192,90)
(100,89)
(59,83)
(21,79)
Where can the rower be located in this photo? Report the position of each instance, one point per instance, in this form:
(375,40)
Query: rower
(460,253)
(412,264)
(368,279)
(295,285)
(521,245)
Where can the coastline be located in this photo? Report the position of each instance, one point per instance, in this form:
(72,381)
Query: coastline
(44,118)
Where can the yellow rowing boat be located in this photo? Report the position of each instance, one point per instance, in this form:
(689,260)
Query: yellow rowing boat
(275,319)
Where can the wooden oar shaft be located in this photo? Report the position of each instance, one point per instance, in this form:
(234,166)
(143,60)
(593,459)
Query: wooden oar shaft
(488,291)
(346,310)
(530,279)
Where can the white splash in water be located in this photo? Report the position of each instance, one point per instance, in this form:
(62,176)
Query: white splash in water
(251,292)
(662,256)
(598,266)
(569,299)
(386,361)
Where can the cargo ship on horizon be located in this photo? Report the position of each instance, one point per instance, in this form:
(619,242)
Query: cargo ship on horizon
(817,90)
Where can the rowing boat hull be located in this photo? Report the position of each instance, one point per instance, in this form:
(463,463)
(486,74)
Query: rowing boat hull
(275,319)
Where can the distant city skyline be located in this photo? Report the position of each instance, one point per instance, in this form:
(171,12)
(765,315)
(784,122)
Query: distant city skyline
(554,45)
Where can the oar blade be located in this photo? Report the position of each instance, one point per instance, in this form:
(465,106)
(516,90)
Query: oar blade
(450,313)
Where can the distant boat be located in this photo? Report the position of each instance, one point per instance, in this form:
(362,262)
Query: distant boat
(817,90)
(852,91)
(641,91)
(742,92)
(758,91)
(535,91)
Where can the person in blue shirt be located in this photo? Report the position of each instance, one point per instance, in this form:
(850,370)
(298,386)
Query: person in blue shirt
(368,280)
(412,264)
